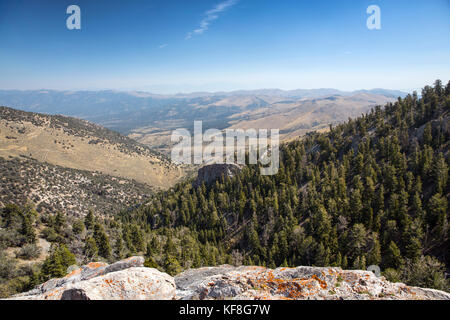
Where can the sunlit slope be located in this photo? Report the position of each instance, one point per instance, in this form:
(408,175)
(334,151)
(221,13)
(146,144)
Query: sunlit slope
(79,144)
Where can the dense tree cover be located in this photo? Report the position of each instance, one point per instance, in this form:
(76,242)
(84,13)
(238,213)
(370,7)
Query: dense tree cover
(372,191)
(74,241)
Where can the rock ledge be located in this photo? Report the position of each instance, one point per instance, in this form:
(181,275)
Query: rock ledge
(129,280)
(123,280)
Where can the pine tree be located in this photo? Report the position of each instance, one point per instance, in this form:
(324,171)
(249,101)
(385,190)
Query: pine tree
(440,173)
(101,239)
(89,220)
(428,135)
(172,266)
(90,249)
(437,214)
(56,264)
(393,257)
(28,230)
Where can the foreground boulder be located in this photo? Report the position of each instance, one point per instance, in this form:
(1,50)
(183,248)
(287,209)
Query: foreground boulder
(123,280)
(312,283)
(129,280)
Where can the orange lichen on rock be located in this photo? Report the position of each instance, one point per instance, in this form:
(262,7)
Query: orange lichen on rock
(73,273)
(288,288)
(322,283)
(95,265)
(108,281)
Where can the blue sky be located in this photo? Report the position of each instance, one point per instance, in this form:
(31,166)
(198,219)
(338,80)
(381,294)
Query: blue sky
(169,46)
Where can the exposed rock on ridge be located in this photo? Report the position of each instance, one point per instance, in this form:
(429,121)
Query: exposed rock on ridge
(129,280)
(212,172)
(123,280)
(301,283)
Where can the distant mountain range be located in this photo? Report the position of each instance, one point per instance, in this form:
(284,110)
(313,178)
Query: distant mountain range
(90,103)
(150,118)
(297,93)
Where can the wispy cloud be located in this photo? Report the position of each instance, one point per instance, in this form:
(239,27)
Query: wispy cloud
(210,16)
(163,45)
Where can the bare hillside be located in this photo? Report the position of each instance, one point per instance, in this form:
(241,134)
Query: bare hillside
(79,144)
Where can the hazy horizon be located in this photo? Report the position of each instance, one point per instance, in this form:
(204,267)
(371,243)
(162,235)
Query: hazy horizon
(169,47)
(205,91)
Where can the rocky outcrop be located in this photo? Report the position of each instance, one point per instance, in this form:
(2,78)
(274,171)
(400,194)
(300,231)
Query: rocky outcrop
(301,283)
(123,280)
(210,173)
(129,280)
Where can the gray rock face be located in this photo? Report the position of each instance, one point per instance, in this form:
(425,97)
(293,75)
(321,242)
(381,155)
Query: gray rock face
(210,173)
(129,280)
(191,280)
(123,280)
(301,283)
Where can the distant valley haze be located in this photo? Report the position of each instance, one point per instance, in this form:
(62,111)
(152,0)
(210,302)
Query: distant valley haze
(150,118)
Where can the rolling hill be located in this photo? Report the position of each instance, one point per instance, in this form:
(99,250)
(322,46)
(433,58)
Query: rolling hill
(78,144)
(66,164)
(293,116)
(51,188)
(150,118)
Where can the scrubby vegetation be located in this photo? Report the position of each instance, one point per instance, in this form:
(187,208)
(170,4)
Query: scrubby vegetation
(22,229)
(53,188)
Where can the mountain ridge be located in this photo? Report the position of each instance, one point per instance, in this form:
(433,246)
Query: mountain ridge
(318,92)
(150,118)
(79,144)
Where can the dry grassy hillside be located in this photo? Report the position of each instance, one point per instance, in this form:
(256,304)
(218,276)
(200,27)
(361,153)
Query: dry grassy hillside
(296,118)
(293,116)
(78,144)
